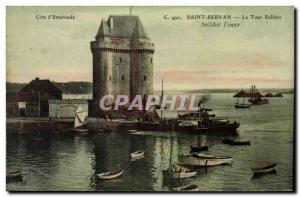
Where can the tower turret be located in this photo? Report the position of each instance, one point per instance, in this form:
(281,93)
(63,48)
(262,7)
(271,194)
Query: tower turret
(122,58)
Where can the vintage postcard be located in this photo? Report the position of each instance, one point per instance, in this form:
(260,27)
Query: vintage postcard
(150,99)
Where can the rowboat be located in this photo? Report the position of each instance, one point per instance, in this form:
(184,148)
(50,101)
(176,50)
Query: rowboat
(110,174)
(180,172)
(204,160)
(242,106)
(263,168)
(198,148)
(187,125)
(136,154)
(189,188)
(235,142)
(76,130)
(14,176)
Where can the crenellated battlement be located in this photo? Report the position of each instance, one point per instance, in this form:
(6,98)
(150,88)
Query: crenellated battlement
(124,45)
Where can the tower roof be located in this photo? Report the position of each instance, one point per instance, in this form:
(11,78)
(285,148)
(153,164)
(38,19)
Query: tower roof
(122,27)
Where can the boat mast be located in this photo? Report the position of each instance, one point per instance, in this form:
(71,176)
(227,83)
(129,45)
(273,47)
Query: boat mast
(118,159)
(171,151)
(162,95)
(252,93)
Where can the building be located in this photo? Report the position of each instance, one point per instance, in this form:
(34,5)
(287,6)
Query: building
(122,58)
(66,108)
(32,100)
(22,104)
(77,96)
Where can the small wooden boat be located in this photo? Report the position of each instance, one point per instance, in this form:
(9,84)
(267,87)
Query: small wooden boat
(187,125)
(180,172)
(14,176)
(264,168)
(204,160)
(137,158)
(136,154)
(198,148)
(110,174)
(189,188)
(235,142)
(76,130)
(242,106)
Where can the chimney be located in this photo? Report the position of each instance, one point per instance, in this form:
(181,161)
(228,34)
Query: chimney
(37,78)
(111,23)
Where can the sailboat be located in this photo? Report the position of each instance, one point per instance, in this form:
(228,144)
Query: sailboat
(80,120)
(242,105)
(177,171)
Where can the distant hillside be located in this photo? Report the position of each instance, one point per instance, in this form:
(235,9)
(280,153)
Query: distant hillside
(78,87)
(83,87)
(14,87)
(262,90)
(75,87)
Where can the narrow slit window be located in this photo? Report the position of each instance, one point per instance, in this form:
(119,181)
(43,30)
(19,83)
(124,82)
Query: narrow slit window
(145,78)
(123,77)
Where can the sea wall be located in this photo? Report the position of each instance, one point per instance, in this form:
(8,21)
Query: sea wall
(26,126)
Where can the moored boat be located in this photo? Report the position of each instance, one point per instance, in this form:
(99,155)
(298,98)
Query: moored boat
(236,142)
(242,106)
(80,121)
(77,130)
(187,125)
(204,160)
(265,168)
(110,174)
(189,188)
(198,148)
(136,154)
(14,176)
(256,97)
(179,172)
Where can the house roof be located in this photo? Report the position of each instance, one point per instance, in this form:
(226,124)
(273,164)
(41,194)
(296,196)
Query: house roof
(23,97)
(122,27)
(42,86)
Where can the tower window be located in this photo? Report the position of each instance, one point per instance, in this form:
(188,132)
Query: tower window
(145,78)
(120,59)
(110,78)
(151,60)
(123,77)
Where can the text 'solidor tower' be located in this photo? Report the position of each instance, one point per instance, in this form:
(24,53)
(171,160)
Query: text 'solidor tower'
(122,58)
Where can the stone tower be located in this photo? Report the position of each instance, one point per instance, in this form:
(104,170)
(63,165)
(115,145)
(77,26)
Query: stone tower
(122,58)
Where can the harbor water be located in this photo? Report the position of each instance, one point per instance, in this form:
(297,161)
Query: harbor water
(70,162)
